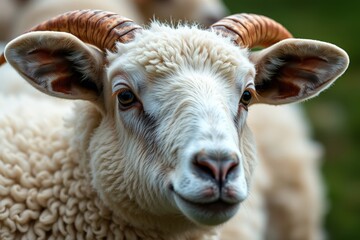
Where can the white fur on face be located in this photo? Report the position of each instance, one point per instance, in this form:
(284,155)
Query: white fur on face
(201,118)
(189,83)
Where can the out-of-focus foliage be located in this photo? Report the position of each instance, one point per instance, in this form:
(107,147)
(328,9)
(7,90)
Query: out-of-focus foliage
(335,115)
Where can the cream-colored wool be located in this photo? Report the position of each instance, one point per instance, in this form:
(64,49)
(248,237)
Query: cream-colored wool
(44,186)
(33,183)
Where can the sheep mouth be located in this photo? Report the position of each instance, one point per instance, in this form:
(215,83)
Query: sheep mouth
(216,206)
(209,213)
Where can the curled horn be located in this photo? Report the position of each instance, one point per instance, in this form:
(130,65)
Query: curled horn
(250,30)
(99,28)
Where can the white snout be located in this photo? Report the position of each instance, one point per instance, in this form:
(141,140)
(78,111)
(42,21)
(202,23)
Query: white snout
(200,193)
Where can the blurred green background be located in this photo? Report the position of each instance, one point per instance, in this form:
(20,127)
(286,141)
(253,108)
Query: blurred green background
(335,115)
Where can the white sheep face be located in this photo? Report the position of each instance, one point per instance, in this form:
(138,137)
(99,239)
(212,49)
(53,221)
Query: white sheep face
(172,147)
(188,89)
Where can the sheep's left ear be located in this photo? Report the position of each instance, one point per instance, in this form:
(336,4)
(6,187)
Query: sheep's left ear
(296,69)
(58,64)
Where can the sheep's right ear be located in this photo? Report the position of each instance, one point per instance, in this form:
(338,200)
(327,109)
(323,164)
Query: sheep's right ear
(58,64)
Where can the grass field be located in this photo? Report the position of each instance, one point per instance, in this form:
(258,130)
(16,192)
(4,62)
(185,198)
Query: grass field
(335,115)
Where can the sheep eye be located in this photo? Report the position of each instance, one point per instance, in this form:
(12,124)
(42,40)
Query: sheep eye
(246,97)
(126,98)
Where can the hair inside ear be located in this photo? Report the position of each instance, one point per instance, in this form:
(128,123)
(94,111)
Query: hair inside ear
(295,70)
(57,71)
(58,64)
(296,76)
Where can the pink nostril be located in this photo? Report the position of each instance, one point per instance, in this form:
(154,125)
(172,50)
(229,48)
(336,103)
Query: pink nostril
(216,167)
(209,166)
(226,166)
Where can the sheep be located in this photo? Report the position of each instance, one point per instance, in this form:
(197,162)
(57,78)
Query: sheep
(210,11)
(160,147)
(203,11)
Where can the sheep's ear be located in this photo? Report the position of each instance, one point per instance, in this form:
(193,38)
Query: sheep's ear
(296,69)
(58,64)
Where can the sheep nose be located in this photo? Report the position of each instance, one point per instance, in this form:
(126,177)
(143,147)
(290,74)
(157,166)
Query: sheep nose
(217,167)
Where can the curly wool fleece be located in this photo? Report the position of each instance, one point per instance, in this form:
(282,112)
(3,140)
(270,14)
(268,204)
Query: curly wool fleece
(45,191)
(42,187)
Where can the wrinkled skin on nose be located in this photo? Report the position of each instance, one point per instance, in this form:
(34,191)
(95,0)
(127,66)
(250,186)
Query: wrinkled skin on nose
(217,168)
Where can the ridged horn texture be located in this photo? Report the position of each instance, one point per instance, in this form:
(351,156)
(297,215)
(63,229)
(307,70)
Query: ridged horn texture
(251,30)
(99,28)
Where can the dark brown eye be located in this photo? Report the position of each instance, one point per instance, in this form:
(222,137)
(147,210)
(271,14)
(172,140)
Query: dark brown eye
(246,97)
(126,98)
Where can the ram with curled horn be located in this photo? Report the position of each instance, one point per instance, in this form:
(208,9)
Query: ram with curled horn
(160,149)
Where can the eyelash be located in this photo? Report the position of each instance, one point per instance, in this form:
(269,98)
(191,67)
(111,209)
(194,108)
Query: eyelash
(125,96)
(246,102)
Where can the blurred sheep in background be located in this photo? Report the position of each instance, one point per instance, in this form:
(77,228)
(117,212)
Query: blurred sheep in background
(16,16)
(8,11)
(205,12)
